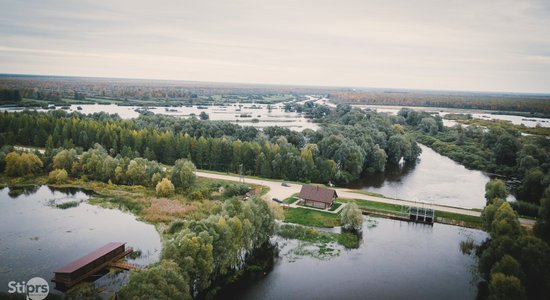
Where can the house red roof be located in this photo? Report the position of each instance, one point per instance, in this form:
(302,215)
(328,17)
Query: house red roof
(88,258)
(317,193)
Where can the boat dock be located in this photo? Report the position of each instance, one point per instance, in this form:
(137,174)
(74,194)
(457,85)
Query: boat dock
(91,263)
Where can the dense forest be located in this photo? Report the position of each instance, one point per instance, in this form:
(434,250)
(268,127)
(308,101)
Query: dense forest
(530,103)
(351,143)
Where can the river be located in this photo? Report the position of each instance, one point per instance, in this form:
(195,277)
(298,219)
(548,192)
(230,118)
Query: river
(396,260)
(37,237)
(433,179)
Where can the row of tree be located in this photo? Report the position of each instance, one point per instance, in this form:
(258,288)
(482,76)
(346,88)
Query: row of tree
(351,142)
(10,96)
(468,100)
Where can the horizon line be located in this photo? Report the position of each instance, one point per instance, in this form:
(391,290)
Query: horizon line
(342,87)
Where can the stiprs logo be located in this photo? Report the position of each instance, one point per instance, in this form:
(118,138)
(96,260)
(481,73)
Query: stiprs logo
(35,289)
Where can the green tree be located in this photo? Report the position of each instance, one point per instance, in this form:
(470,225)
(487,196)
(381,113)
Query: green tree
(193,254)
(533,187)
(136,172)
(506,149)
(509,267)
(203,116)
(504,287)
(488,213)
(160,281)
(542,227)
(495,188)
(64,159)
(351,217)
(22,165)
(506,222)
(429,125)
(164,188)
(183,174)
(58,176)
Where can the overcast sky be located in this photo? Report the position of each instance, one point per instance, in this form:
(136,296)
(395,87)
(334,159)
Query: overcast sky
(500,45)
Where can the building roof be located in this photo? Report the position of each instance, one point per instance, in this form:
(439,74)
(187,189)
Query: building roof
(88,258)
(317,193)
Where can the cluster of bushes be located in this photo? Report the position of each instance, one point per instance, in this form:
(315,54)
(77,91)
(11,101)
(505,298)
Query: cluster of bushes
(201,255)
(515,262)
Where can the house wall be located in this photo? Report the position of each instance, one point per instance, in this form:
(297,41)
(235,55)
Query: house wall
(315,204)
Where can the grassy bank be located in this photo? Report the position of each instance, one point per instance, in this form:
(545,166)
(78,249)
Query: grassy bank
(441,216)
(346,239)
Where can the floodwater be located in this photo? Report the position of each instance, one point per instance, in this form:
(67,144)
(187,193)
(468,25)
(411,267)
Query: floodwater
(37,237)
(242,114)
(433,179)
(477,114)
(396,260)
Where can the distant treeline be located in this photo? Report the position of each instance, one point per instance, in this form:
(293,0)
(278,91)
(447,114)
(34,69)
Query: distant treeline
(353,142)
(147,90)
(10,96)
(531,103)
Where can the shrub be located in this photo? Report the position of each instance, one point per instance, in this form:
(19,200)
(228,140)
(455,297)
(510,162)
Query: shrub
(58,176)
(164,188)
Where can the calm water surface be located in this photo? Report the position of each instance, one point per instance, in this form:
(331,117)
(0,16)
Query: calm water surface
(434,179)
(232,113)
(396,260)
(37,238)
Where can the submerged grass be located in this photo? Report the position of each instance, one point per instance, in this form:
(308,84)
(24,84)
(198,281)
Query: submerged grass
(68,204)
(306,234)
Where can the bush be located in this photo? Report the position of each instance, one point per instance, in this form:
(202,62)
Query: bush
(525,208)
(164,188)
(232,190)
(58,176)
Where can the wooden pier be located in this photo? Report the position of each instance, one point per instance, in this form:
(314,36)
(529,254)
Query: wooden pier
(91,263)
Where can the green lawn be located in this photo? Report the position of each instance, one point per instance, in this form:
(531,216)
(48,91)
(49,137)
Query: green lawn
(335,206)
(311,217)
(290,200)
(373,205)
(472,220)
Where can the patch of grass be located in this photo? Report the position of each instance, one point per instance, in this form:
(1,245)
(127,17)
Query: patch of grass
(311,217)
(346,239)
(290,200)
(68,204)
(335,206)
(372,205)
(369,194)
(466,218)
(120,202)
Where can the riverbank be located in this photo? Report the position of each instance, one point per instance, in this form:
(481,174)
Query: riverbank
(446,214)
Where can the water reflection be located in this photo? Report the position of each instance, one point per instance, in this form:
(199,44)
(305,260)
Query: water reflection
(38,237)
(397,260)
(434,179)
